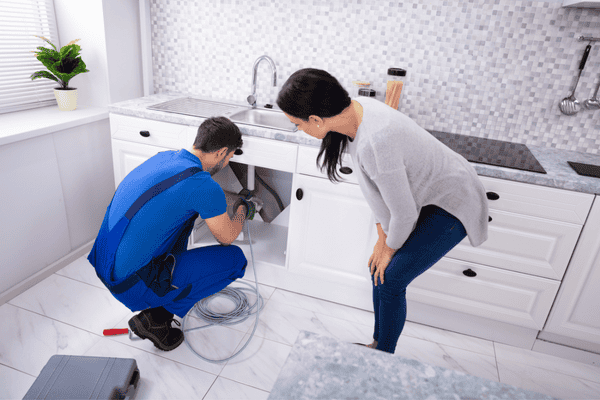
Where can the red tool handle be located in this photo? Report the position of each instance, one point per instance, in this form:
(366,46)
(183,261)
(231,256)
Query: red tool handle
(110,332)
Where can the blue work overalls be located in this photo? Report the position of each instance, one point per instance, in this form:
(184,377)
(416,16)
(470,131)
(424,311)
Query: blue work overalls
(152,285)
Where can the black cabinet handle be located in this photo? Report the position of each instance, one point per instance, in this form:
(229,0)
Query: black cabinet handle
(346,170)
(145,133)
(299,194)
(470,273)
(492,196)
(238,152)
(490,219)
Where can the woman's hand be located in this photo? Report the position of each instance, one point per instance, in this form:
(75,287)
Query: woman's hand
(380,259)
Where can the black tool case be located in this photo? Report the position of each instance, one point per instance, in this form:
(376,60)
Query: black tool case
(78,377)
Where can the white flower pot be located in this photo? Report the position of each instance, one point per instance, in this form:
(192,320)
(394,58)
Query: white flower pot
(66,99)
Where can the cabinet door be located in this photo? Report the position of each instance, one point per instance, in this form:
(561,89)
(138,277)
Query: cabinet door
(127,156)
(575,312)
(332,232)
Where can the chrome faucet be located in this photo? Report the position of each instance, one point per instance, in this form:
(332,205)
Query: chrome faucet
(252,98)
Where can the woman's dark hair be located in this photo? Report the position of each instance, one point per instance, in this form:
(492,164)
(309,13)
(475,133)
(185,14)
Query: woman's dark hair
(216,133)
(312,91)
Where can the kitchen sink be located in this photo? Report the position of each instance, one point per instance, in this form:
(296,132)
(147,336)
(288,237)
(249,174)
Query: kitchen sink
(239,114)
(263,117)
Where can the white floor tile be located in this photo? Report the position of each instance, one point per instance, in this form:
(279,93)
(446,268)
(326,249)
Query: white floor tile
(447,338)
(281,323)
(66,313)
(471,363)
(226,389)
(74,303)
(505,353)
(81,270)
(367,318)
(547,382)
(259,364)
(160,378)
(324,307)
(14,384)
(28,340)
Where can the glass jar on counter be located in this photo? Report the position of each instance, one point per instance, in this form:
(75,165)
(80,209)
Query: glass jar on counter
(395,85)
(357,86)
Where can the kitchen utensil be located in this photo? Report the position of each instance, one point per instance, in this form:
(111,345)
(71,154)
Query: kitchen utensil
(593,103)
(570,105)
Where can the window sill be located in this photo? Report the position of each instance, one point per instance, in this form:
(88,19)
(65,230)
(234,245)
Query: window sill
(27,124)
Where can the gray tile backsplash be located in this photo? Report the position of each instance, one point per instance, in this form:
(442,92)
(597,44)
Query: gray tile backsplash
(487,68)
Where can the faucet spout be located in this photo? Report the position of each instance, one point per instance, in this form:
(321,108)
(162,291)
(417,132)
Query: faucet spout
(252,98)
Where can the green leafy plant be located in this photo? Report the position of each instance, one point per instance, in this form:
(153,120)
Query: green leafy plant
(62,64)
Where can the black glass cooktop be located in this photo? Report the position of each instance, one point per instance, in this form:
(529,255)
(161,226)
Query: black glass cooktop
(491,152)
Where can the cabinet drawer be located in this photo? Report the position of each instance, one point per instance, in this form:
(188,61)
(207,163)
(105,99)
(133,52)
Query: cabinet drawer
(505,296)
(268,153)
(522,243)
(538,201)
(307,157)
(164,134)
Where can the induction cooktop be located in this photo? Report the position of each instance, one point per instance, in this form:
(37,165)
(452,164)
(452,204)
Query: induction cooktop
(491,151)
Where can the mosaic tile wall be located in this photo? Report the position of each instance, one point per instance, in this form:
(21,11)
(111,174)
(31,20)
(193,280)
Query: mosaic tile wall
(487,68)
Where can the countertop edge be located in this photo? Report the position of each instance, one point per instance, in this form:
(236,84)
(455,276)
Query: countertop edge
(559,175)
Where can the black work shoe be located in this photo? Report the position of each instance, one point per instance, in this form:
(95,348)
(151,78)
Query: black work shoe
(162,335)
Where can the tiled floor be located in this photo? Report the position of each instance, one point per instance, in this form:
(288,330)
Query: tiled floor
(66,313)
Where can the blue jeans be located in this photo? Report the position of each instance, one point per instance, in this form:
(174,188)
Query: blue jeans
(436,233)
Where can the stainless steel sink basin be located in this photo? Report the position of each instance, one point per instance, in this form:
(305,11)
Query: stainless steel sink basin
(240,114)
(263,117)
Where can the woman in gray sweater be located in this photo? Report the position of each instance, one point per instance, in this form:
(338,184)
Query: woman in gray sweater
(425,197)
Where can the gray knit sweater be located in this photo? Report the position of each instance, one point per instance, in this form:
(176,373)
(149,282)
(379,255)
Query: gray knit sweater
(401,168)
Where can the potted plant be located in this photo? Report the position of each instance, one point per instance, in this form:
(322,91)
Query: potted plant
(62,66)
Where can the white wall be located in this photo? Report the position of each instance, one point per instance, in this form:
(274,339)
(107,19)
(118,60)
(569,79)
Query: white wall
(110,47)
(123,49)
(83,20)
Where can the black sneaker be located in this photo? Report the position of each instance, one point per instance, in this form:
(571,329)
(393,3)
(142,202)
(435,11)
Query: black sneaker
(162,335)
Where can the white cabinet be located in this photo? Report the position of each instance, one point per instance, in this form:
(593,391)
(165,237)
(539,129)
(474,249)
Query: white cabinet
(533,230)
(576,312)
(127,156)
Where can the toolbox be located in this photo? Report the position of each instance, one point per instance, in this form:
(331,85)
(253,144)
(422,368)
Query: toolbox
(79,377)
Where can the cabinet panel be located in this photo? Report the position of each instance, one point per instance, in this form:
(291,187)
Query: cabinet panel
(523,244)
(127,156)
(33,216)
(165,134)
(268,153)
(307,157)
(503,296)
(332,232)
(575,313)
(538,201)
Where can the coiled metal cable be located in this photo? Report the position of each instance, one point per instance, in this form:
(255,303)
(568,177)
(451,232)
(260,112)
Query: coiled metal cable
(242,310)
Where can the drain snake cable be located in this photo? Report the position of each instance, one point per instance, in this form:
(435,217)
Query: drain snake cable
(241,313)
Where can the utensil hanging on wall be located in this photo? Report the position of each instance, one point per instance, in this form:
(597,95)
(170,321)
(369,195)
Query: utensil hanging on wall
(570,105)
(593,103)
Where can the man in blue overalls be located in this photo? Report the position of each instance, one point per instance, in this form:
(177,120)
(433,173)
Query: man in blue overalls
(141,253)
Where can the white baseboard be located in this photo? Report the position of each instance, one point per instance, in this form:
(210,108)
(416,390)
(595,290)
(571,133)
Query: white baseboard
(44,273)
(569,353)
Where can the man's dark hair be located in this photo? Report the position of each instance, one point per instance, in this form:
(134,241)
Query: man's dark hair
(216,133)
